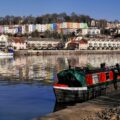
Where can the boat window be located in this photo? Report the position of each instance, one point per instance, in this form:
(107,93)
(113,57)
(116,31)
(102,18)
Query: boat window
(95,78)
(107,76)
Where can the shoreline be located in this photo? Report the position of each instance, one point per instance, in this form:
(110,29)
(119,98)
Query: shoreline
(101,108)
(64,52)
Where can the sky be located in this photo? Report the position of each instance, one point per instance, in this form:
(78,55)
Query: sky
(98,9)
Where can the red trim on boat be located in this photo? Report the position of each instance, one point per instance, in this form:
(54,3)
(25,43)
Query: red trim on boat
(89,79)
(111,75)
(119,77)
(102,77)
(60,85)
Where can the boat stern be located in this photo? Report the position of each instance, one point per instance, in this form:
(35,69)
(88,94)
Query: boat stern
(64,93)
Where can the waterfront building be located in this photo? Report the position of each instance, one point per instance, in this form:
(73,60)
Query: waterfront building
(68,27)
(18,43)
(93,44)
(12,29)
(77,43)
(93,23)
(113,25)
(45,27)
(118,31)
(42,43)
(64,27)
(5,30)
(3,41)
(53,26)
(41,27)
(91,31)
(23,29)
(104,44)
(1,29)
(29,28)
(38,27)
(19,29)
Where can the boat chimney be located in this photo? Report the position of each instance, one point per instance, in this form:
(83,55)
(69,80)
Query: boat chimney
(69,65)
(102,65)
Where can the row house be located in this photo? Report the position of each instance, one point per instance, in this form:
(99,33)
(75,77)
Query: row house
(91,31)
(104,44)
(113,25)
(18,43)
(118,31)
(42,43)
(29,28)
(67,27)
(93,44)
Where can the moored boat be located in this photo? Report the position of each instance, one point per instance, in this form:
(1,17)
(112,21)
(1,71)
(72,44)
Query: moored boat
(76,84)
(5,53)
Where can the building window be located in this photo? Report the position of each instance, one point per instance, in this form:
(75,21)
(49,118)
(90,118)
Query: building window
(95,44)
(90,44)
(104,44)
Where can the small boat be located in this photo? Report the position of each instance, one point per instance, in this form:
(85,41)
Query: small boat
(77,85)
(5,53)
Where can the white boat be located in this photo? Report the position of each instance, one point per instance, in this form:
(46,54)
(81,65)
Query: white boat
(2,53)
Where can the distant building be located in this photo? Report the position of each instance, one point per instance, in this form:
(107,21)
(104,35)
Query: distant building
(118,31)
(91,31)
(42,43)
(18,43)
(3,41)
(77,43)
(93,44)
(64,27)
(113,25)
(103,44)
(93,23)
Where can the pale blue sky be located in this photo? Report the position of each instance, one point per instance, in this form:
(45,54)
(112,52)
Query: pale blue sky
(108,9)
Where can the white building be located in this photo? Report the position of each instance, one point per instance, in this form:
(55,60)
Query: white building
(5,30)
(91,31)
(99,44)
(118,31)
(77,43)
(42,43)
(4,41)
(93,44)
(31,28)
(18,43)
(1,29)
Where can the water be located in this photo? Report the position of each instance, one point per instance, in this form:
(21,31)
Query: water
(26,83)
(24,102)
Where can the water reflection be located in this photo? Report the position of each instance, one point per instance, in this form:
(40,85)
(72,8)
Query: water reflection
(26,82)
(44,68)
(94,60)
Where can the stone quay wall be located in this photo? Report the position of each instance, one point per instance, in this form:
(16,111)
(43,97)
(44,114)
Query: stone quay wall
(105,107)
(64,52)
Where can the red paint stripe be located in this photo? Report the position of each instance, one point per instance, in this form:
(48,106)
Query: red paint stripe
(89,79)
(60,85)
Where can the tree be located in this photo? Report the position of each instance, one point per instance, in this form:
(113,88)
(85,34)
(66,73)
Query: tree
(39,20)
(35,34)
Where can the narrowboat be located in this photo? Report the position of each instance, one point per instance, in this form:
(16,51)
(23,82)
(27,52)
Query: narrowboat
(80,84)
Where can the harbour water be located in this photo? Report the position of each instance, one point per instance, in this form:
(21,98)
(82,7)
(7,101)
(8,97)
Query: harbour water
(26,82)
